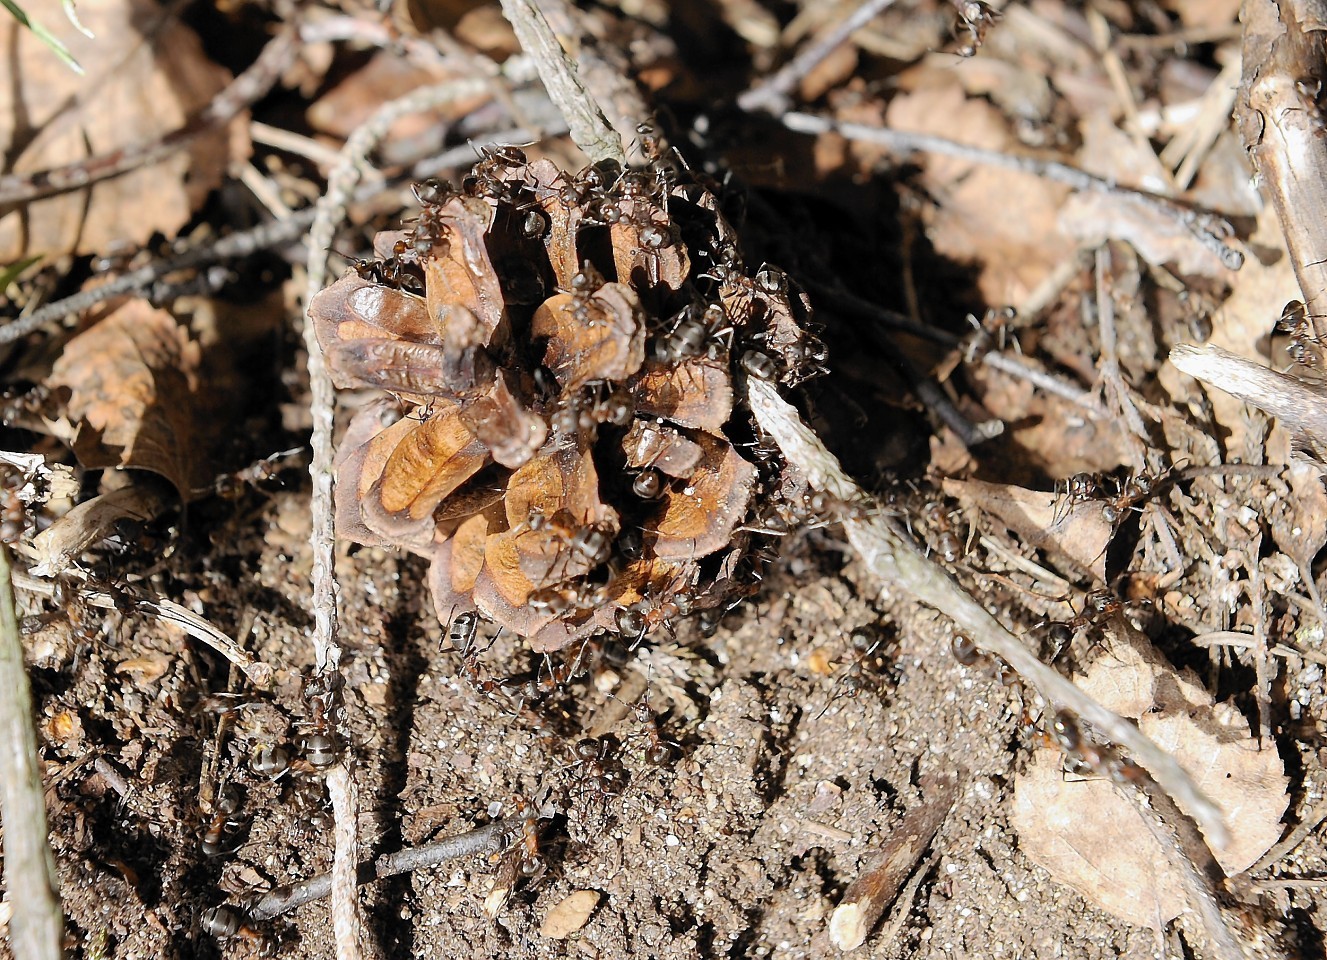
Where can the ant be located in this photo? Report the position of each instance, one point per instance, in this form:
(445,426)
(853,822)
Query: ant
(1296,322)
(461,632)
(227,923)
(696,333)
(854,679)
(943,538)
(318,742)
(599,762)
(1086,756)
(1098,607)
(968,655)
(974,17)
(224,822)
(588,544)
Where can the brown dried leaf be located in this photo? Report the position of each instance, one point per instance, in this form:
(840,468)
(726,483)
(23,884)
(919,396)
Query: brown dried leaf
(564,220)
(1077,532)
(644,264)
(1304,532)
(1091,836)
(136,89)
(354,308)
(1004,220)
(601,338)
(132,380)
(694,393)
(699,518)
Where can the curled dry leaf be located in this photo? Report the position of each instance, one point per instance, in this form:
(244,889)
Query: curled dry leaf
(131,381)
(569,455)
(1078,532)
(1091,836)
(135,90)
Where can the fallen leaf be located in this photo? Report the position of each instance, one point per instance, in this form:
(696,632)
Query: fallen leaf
(699,516)
(145,83)
(569,914)
(1077,532)
(1091,836)
(131,380)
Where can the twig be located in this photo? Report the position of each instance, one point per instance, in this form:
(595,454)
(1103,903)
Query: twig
(341,183)
(589,127)
(1206,227)
(247,88)
(1057,386)
(867,897)
(890,555)
(264,236)
(1302,406)
(1111,375)
(259,673)
(1262,656)
(771,94)
(481,840)
(1292,840)
(1199,871)
(37,926)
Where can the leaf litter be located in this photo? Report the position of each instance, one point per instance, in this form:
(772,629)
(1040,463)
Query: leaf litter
(797,714)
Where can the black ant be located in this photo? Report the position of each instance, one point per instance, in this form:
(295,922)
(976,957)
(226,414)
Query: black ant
(598,760)
(854,679)
(974,17)
(941,533)
(318,743)
(1304,344)
(1098,607)
(1086,756)
(224,823)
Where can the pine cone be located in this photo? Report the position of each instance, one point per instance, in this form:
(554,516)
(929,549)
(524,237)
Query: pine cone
(560,437)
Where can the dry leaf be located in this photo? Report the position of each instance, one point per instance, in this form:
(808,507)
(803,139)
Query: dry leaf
(1091,836)
(1077,532)
(146,74)
(131,381)
(699,517)
(1002,219)
(569,914)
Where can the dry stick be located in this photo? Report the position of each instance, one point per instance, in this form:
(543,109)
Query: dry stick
(247,88)
(771,94)
(1300,405)
(589,127)
(1206,227)
(890,555)
(258,673)
(1283,131)
(274,233)
(867,897)
(1262,657)
(1110,359)
(37,926)
(341,183)
(486,839)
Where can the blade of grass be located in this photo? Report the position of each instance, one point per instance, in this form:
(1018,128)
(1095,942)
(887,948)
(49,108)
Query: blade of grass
(45,36)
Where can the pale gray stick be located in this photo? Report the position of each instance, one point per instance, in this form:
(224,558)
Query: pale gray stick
(341,183)
(771,95)
(1205,227)
(37,926)
(589,127)
(1300,405)
(890,555)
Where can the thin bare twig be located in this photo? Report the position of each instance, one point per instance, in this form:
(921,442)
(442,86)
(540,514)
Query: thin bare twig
(274,233)
(341,184)
(258,673)
(481,840)
(771,94)
(1300,405)
(37,926)
(889,554)
(867,897)
(585,118)
(1207,228)
(247,88)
